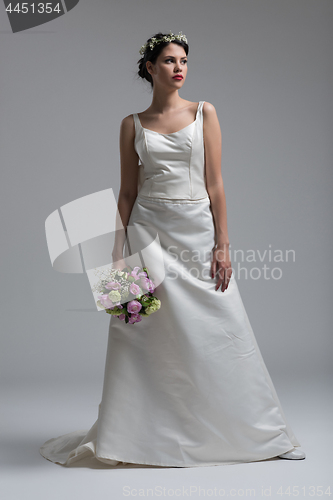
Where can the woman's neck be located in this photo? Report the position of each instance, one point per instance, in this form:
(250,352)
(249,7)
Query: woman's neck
(163,102)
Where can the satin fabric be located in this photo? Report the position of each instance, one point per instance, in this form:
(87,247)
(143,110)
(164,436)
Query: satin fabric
(187,386)
(172,165)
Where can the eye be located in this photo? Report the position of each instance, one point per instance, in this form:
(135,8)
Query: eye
(170,59)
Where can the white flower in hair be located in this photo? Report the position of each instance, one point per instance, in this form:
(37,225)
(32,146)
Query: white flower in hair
(166,38)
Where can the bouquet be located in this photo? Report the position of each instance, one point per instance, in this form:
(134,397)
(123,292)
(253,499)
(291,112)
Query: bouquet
(127,293)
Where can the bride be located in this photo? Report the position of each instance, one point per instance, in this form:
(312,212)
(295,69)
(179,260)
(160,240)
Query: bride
(186,386)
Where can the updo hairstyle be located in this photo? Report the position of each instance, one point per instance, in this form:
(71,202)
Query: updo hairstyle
(152,54)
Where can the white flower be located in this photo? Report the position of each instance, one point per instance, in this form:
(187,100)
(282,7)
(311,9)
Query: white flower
(166,38)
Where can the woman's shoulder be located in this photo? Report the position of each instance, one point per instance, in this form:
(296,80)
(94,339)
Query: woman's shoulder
(209,114)
(127,122)
(208,108)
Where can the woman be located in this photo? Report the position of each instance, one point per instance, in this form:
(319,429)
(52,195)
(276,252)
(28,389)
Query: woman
(186,386)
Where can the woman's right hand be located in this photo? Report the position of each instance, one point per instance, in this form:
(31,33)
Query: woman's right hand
(118,262)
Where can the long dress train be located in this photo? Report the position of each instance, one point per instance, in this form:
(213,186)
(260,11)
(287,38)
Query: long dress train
(186,386)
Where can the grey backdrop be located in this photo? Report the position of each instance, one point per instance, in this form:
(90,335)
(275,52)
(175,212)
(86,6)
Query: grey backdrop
(65,87)
(266,66)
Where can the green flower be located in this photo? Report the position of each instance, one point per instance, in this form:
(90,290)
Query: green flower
(116,311)
(115,296)
(153,306)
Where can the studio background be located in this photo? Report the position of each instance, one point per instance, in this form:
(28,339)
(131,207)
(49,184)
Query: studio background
(266,66)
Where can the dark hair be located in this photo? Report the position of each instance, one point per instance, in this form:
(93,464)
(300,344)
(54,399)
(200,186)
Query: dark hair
(152,55)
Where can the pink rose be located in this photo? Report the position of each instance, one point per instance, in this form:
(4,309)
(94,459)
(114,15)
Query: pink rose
(135,289)
(106,301)
(137,275)
(134,306)
(122,316)
(147,284)
(151,285)
(134,272)
(135,318)
(113,285)
(143,274)
(144,282)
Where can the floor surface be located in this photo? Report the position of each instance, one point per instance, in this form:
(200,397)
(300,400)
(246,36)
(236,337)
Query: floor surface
(35,412)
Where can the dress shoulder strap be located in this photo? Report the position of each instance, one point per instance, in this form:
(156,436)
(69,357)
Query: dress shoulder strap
(136,121)
(199,110)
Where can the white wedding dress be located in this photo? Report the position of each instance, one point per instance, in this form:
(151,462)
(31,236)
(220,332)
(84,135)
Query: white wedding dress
(186,386)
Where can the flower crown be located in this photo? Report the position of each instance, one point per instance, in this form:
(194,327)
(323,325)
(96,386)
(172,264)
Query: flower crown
(166,38)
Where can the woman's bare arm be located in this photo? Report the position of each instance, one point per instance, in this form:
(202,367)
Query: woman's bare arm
(129,164)
(215,188)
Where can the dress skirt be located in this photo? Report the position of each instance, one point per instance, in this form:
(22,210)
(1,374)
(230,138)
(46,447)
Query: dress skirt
(187,386)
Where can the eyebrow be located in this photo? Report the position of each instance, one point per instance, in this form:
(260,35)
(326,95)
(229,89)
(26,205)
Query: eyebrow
(185,57)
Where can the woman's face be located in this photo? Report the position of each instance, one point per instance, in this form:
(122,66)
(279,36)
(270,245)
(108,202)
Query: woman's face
(172,61)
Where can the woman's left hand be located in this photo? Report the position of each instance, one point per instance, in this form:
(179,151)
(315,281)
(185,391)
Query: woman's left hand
(221,266)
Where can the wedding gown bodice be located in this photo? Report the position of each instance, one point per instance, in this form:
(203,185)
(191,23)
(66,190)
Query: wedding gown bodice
(172,166)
